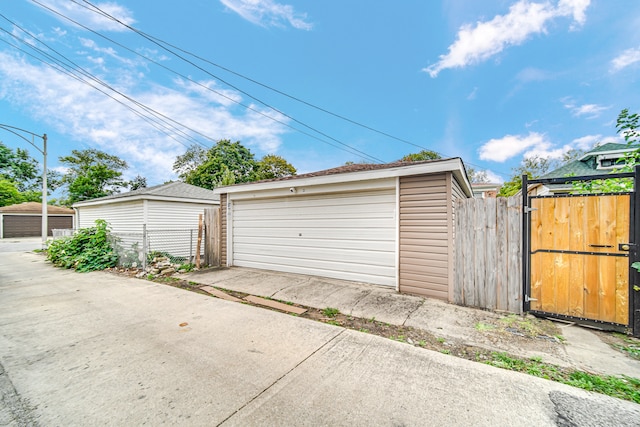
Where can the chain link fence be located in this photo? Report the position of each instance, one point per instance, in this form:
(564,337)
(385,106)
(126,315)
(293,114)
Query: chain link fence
(139,249)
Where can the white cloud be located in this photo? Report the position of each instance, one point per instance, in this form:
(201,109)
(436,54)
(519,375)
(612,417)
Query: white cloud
(493,177)
(86,115)
(625,59)
(268,13)
(589,111)
(478,43)
(89,16)
(502,149)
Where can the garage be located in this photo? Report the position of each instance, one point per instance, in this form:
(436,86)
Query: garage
(25,219)
(347,235)
(386,224)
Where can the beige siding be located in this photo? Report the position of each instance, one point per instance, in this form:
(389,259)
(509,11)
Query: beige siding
(425,235)
(223,229)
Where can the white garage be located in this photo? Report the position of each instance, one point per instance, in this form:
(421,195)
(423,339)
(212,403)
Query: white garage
(350,235)
(389,224)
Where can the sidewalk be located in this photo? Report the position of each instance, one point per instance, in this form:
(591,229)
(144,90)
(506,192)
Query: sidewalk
(578,347)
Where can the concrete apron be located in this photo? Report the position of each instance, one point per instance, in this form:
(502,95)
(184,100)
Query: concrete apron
(582,349)
(97,349)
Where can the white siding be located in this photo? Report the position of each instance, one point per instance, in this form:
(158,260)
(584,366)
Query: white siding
(126,217)
(349,235)
(174,215)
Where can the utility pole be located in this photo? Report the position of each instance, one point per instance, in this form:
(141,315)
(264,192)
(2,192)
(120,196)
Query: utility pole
(45,213)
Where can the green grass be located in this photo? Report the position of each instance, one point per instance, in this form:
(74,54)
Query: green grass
(330,312)
(631,346)
(622,387)
(484,327)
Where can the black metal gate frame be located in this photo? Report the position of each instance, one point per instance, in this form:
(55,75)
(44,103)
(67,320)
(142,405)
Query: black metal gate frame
(634,245)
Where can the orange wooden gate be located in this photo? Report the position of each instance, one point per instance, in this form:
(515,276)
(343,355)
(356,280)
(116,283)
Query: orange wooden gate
(579,259)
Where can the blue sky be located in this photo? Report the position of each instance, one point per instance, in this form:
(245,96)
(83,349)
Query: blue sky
(490,81)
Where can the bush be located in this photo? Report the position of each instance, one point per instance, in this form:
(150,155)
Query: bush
(88,250)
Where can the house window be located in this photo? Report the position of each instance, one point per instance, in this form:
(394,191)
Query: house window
(609,163)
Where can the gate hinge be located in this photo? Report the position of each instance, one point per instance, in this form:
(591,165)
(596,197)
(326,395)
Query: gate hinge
(527,209)
(527,298)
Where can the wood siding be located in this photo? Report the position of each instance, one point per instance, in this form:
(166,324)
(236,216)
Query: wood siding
(425,235)
(346,235)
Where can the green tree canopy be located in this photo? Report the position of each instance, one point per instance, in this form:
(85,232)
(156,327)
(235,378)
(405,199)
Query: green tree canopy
(9,194)
(272,166)
(92,173)
(227,163)
(422,155)
(533,167)
(137,183)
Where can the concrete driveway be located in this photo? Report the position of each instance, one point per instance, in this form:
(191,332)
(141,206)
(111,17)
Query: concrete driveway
(98,349)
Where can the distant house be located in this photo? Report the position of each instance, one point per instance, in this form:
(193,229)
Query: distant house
(485,190)
(601,160)
(25,219)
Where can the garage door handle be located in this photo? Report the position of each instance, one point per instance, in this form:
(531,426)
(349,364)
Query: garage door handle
(601,246)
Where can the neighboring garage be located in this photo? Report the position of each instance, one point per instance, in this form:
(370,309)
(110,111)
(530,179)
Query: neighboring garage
(25,219)
(386,224)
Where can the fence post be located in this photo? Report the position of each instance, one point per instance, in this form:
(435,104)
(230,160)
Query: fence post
(144,246)
(191,246)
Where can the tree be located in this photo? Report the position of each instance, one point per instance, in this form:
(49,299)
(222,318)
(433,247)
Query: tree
(137,183)
(228,163)
(9,194)
(422,155)
(272,166)
(533,167)
(92,173)
(476,177)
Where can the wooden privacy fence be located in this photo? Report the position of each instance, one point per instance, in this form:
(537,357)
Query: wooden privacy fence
(488,253)
(212,237)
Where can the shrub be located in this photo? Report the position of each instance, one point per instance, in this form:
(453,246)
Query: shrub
(88,250)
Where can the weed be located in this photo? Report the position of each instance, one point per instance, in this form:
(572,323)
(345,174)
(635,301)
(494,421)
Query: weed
(88,249)
(441,340)
(330,312)
(445,351)
(631,346)
(422,343)
(621,387)
(334,323)
(186,268)
(482,327)
(365,330)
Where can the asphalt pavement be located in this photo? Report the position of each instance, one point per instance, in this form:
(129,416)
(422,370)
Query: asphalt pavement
(98,349)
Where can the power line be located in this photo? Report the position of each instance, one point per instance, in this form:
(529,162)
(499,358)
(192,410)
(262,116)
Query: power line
(96,9)
(348,149)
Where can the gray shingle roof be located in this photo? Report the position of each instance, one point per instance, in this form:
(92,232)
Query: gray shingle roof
(177,189)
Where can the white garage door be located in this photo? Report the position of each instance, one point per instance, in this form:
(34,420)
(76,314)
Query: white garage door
(348,236)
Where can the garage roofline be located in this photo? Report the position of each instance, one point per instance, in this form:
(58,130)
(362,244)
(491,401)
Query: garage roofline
(453,165)
(143,197)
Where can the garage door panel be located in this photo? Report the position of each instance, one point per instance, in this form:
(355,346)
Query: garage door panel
(369,257)
(384,246)
(309,233)
(330,235)
(318,268)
